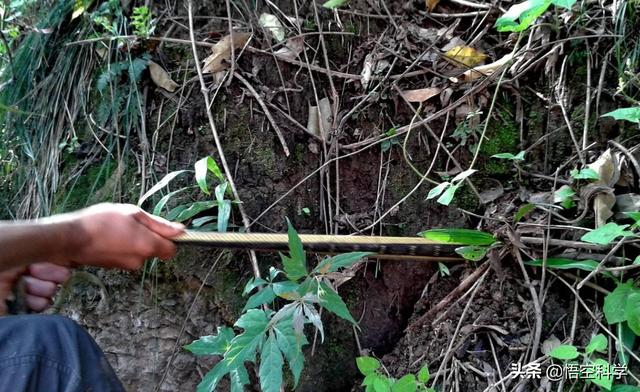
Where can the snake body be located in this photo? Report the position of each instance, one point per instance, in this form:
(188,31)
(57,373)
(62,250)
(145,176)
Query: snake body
(389,247)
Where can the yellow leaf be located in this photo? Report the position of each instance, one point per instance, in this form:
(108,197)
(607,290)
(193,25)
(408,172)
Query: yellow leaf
(161,77)
(465,55)
(218,60)
(77,12)
(431,4)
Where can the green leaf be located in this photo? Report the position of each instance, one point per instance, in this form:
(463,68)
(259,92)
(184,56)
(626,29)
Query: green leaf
(295,266)
(213,344)
(287,290)
(614,303)
(459,236)
(560,263)
(313,316)
(628,114)
(367,365)
(381,384)
(632,312)
(563,3)
(224,212)
(331,301)
(239,378)
(585,174)
(526,12)
(213,377)
(243,347)
(160,205)
(437,190)
(635,215)
(161,184)
(271,365)
(523,211)
(598,343)
(423,374)
(194,209)
(291,346)
(602,374)
(344,260)
(201,174)
(626,339)
(604,235)
(443,269)
(447,196)
(264,296)
(405,384)
(473,252)
(564,196)
(625,388)
(331,4)
(564,352)
(507,155)
(252,284)
(463,176)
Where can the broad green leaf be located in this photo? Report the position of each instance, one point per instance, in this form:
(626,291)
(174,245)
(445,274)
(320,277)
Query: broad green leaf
(632,312)
(213,344)
(459,236)
(526,13)
(563,3)
(161,184)
(367,365)
(368,380)
(437,190)
(295,266)
(331,4)
(405,384)
(313,316)
(560,263)
(160,205)
(472,252)
(194,209)
(626,339)
(202,167)
(423,374)
(625,388)
(598,343)
(270,365)
(291,346)
(614,303)
(213,377)
(628,114)
(331,301)
(344,260)
(264,296)
(463,176)
(203,220)
(564,352)
(602,374)
(523,211)
(287,290)
(239,378)
(604,235)
(635,215)
(585,174)
(381,384)
(510,156)
(174,212)
(447,196)
(252,284)
(564,196)
(243,347)
(224,212)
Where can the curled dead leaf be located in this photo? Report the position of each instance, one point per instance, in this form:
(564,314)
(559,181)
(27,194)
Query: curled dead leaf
(319,120)
(482,70)
(221,52)
(431,4)
(420,95)
(465,55)
(292,48)
(272,24)
(161,77)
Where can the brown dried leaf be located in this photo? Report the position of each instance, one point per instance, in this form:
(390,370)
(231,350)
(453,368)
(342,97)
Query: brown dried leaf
(292,48)
(161,77)
(431,4)
(482,70)
(420,95)
(221,55)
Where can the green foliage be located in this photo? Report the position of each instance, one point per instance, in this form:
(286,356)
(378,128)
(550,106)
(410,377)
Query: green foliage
(376,381)
(507,155)
(560,263)
(564,352)
(459,236)
(142,22)
(627,114)
(585,174)
(598,343)
(447,190)
(387,144)
(472,252)
(270,338)
(522,15)
(564,196)
(606,234)
(331,4)
(524,210)
(614,303)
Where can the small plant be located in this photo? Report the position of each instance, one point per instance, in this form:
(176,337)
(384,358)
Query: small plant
(271,337)
(475,243)
(522,15)
(627,114)
(447,190)
(142,22)
(507,155)
(376,381)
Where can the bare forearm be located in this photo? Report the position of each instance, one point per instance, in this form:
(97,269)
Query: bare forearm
(23,243)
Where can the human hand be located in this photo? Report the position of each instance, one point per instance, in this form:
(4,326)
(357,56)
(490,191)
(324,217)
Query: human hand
(118,236)
(41,282)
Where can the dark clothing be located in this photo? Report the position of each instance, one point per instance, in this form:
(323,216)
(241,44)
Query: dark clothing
(51,354)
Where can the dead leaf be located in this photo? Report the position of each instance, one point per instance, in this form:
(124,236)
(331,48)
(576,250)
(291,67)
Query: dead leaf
(549,344)
(607,167)
(272,24)
(465,55)
(319,120)
(367,70)
(602,207)
(431,4)
(161,77)
(292,48)
(420,95)
(453,42)
(482,70)
(221,55)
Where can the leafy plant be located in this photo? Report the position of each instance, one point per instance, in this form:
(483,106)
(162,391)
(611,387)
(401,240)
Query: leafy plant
(142,22)
(522,15)
(627,114)
(476,243)
(447,190)
(564,196)
(606,234)
(376,381)
(507,155)
(268,338)
(331,4)
(387,144)
(585,174)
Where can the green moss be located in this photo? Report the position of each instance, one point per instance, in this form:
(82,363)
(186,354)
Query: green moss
(502,136)
(81,190)
(466,199)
